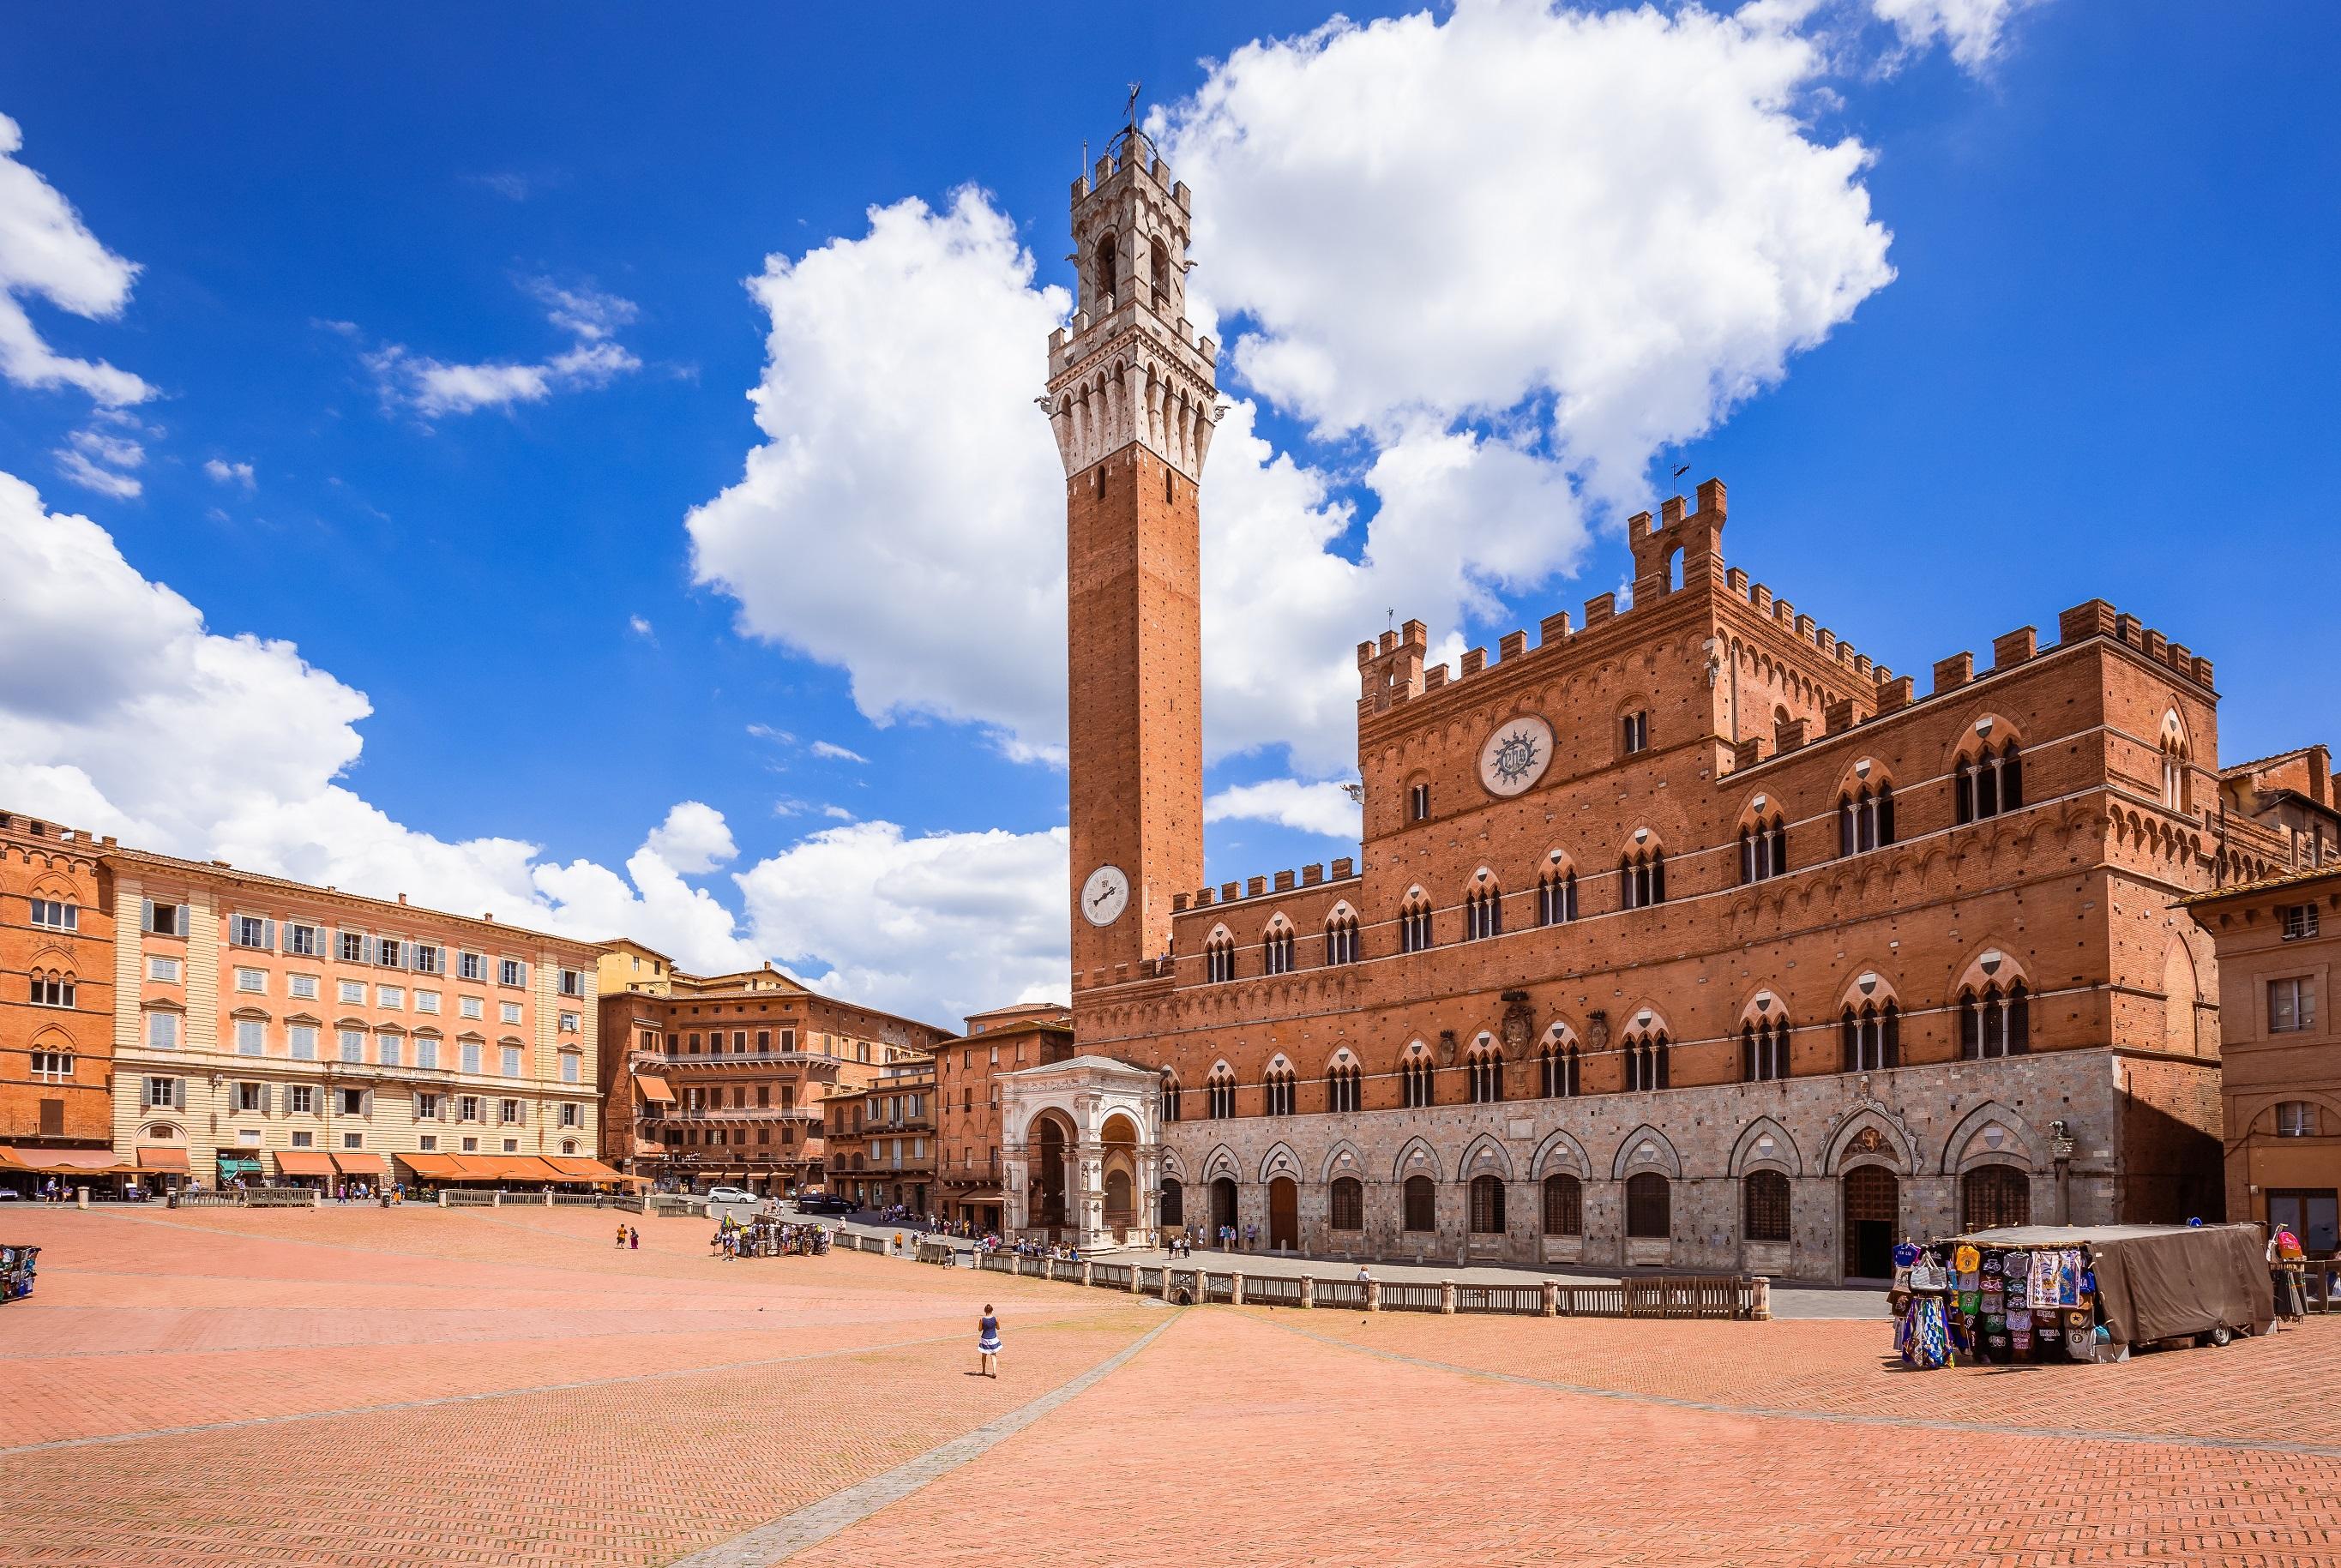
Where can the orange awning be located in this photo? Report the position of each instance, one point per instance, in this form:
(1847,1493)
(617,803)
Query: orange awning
(353,1163)
(305,1162)
(653,1087)
(158,1158)
(431,1167)
(574,1168)
(84,1162)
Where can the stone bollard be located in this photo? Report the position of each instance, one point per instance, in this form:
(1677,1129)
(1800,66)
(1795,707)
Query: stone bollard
(548,1198)
(1137,1279)
(1761,1309)
(1447,1296)
(1235,1289)
(1085,1271)
(81,1197)
(1166,1279)
(1308,1290)
(443,1197)
(1552,1298)
(1373,1295)
(1015,1263)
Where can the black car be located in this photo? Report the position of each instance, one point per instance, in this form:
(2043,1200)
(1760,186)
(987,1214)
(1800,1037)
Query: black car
(825,1202)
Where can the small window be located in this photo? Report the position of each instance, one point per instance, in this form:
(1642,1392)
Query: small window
(1873,1039)
(1763,850)
(1557,898)
(1414,926)
(392,998)
(1280,1092)
(353,947)
(1421,1210)
(1342,1091)
(1222,1093)
(1418,803)
(470,966)
(1564,1206)
(301,1041)
(2295,1120)
(299,1099)
(390,953)
(1483,912)
(1642,879)
(1276,951)
(300,987)
(1764,1050)
(352,992)
(1763,1207)
(250,931)
(1341,939)
(352,1044)
(53,1067)
(1417,1086)
(2291,1005)
(1484,1072)
(1487,1205)
(52,989)
(165,919)
(1650,1206)
(251,1037)
(1346,1203)
(1220,959)
(164,969)
(1635,732)
(511,972)
(163,1031)
(353,1103)
(55,916)
(2299,921)
(1988,783)
(1647,1061)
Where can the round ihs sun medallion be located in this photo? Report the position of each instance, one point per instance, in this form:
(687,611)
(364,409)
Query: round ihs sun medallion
(1516,755)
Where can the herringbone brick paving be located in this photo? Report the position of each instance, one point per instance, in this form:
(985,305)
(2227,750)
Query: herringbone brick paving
(357,1387)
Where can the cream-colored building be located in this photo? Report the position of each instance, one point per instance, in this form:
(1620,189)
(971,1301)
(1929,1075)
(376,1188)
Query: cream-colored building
(627,965)
(269,1030)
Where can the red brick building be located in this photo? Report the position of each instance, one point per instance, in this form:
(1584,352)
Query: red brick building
(57,1004)
(1683,935)
(967,1090)
(880,1138)
(721,1078)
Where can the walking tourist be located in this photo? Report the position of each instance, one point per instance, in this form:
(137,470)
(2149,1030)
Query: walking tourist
(987,1344)
(634,1239)
(621,1235)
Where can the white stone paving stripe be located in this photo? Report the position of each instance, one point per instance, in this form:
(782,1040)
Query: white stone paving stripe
(786,1537)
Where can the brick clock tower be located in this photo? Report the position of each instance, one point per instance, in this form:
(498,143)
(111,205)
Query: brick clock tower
(1132,402)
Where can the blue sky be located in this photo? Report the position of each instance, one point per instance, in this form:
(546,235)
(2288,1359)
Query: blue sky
(2042,311)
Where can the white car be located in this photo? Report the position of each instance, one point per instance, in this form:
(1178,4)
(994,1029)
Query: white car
(729,1194)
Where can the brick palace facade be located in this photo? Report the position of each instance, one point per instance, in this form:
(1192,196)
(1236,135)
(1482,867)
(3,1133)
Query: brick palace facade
(1682,936)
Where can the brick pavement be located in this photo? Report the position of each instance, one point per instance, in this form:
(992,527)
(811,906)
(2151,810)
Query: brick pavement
(355,1387)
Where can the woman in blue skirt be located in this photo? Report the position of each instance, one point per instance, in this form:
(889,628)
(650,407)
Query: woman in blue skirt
(987,1344)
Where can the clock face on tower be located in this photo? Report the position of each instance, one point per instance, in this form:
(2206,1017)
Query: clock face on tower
(1516,755)
(1105,895)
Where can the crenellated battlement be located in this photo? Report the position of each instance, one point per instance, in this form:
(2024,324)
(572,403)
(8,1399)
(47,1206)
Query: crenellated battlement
(1308,876)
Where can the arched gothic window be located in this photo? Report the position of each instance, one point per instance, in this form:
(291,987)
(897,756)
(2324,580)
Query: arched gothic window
(1107,276)
(1342,1088)
(1220,958)
(1346,1205)
(52,988)
(1763,848)
(1873,1037)
(1642,876)
(1646,1061)
(1170,1095)
(1649,1204)
(1763,1051)
(1485,1069)
(1276,950)
(1483,911)
(1159,267)
(1763,1207)
(1557,1069)
(2174,762)
(1222,1088)
(1279,1086)
(1988,782)
(1414,1079)
(1865,819)
(1414,924)
(1421,1212)
(1564,1206)
(1995,1022)
(1557,898)
(1487,1205)
(1341,939)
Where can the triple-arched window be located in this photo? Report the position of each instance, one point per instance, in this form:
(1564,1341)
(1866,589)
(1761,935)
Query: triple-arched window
(1280,1085)
(1557,1069)
(1557,898)
(1646,1060)
(1763,1051)
(1220,958)
(1484,1068)
(1995,1022)
(1222,1090)
(2174,762)
(1342,939)
(1988,782)
(1763,848)
(1276,950)
(1483,911)
(1414,1079)
(52,988)
(1873,1037)
(1414,924)
(1865,819)
(1642,879)
(1342,1089)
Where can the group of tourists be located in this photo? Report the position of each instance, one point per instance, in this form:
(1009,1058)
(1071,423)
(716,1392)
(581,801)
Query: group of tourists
(629,1239)
(767,1236)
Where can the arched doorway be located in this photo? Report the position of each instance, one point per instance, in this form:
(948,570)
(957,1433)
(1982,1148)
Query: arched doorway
(1223,1206)
(1173,1204)
(1873,1208)
(1993,1196)
(1049,1176)
(1118,1159)
(1283,1213)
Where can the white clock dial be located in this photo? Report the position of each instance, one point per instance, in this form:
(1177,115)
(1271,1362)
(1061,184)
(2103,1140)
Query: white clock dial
(1516,756)
(1105,896)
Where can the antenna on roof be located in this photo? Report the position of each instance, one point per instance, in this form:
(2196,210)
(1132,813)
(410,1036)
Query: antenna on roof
(1130,113)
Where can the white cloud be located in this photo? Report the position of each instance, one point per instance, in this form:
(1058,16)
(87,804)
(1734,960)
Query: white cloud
(1320,808)
(102,463)
(230,473)
(433,387)
(46,252)
(766,732)
(640,626)
(1616,226)
(933,927)
(121,712)
(837,813)
(1974,29)
(835,752)
(1579,280)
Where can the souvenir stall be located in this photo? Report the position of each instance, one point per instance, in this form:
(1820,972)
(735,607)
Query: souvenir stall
(765,1235)
(2047,1293)
(16,1269)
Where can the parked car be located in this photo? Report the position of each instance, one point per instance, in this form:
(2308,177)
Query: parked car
(729,1194)
(825,1202)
